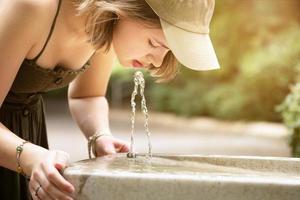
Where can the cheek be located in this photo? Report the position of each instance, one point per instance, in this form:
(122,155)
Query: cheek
(129,45)
(122,53)
(129,48)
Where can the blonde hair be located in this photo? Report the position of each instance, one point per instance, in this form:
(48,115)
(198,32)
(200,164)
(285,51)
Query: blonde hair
(103,15)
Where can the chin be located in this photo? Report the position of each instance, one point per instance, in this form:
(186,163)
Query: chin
(127,64)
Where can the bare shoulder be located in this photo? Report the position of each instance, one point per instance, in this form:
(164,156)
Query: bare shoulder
(28,21)
(22,23)
(35,11)
(30,7)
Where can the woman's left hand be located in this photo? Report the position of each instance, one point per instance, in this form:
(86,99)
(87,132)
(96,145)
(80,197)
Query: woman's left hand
(109,145)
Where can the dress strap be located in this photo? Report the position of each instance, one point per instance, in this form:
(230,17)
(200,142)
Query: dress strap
(49,35)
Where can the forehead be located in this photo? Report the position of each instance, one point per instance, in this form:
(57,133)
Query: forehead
(140,24)
(138,28)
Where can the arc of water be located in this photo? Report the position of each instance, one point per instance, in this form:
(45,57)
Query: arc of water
(133,104)
(145,112)
(139,81)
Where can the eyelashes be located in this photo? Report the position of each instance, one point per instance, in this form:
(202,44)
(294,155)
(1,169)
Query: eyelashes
(151,44)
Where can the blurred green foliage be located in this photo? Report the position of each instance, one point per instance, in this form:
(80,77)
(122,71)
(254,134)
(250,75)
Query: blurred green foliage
(258,46)
(290,110)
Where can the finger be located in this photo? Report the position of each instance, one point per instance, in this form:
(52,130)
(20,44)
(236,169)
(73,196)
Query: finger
(54,176)
(37,191)
(109,148)
(124,149)
(121,146)
(62,160)
(51,189)
(41,194)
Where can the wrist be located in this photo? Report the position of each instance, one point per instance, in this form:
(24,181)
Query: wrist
(92,141)
(32,154)
(99,132)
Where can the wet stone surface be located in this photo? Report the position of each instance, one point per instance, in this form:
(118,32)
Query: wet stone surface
(186,177)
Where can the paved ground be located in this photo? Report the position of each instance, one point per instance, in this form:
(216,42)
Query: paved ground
(171,134)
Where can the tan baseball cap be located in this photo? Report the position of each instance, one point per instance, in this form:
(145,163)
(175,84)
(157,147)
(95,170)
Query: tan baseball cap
(185,24)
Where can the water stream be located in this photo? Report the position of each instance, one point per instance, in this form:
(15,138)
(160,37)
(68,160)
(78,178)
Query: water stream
(139,83)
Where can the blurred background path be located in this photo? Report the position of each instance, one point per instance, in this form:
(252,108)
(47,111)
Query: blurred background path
(171,134)
(260,62)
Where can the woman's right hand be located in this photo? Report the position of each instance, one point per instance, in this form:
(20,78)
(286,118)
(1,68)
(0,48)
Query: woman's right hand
(46,182)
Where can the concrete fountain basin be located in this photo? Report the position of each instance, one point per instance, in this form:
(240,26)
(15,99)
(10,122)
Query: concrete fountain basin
(181,177)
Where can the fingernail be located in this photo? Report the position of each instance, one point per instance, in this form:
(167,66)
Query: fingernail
(71,190)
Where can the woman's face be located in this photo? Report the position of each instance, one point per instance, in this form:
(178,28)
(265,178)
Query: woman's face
(137,45)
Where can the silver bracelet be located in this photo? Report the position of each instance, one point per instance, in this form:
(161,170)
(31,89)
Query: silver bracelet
(19,151)
(92,142)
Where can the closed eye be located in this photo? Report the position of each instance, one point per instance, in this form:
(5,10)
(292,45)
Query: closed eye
(151,44)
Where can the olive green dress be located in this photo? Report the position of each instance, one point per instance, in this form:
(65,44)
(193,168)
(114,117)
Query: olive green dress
(23,112)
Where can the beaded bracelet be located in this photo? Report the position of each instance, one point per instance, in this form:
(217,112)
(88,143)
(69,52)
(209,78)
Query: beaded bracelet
(19,151)
(92,142)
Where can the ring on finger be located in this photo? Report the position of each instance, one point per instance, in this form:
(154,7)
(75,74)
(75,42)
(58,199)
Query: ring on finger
(37,191)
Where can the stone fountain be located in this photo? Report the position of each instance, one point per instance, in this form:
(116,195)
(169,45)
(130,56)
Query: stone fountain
(135,176)
(167,177)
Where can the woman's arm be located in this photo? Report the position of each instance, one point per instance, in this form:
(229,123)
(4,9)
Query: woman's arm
(86,95)
(89,106)
(20,30)
(18,33)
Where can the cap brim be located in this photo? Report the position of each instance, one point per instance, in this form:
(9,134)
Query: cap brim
(193,50)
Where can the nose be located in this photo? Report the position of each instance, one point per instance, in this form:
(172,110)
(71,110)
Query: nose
(157,56)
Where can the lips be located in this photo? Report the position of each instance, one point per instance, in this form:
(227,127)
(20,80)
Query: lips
(137,64)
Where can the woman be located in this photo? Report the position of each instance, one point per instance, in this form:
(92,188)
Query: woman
(48,44)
